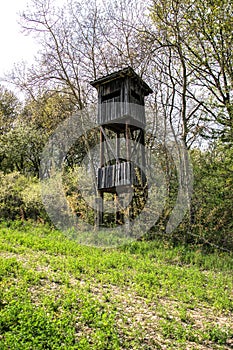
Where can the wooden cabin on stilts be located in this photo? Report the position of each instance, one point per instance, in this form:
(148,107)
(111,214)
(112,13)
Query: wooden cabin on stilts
(122,166)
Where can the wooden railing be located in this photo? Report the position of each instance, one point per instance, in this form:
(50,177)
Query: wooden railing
(121,174)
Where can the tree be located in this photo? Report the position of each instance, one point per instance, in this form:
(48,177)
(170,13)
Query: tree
(81,42)
(47,110)
(20,149)
(200,34)
(183,48)
(9,109)
(22,144)
(212,198)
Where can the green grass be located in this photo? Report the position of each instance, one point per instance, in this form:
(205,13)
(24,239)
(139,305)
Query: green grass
(57,294)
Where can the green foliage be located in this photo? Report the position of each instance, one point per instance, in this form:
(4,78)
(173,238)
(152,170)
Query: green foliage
(48,109)
(212,198)
(9,109)
(208,222)
(20,198)
(21,148)
(79,188)
(10,199)
(22,142)
(26,326)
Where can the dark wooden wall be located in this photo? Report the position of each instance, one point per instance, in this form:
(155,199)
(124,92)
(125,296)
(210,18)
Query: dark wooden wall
(119,99)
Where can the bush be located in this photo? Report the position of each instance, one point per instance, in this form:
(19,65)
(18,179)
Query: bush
(212,198)
(20,198)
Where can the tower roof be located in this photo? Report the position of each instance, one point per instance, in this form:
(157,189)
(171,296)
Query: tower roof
(126,72)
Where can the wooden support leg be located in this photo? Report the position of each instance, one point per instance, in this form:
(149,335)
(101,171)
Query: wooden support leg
(127,213)
(117,208)
(100,210)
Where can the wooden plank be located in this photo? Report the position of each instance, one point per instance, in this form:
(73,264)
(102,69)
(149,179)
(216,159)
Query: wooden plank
(118,174)
(110,176)
(103,177)
(127,141)
(101,148)
(128,173)
(99,178)
(113,175)
(107,178)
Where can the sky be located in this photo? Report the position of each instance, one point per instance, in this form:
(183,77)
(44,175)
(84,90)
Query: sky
(15,46)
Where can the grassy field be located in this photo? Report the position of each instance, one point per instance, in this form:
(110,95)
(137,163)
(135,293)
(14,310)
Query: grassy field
(56,294)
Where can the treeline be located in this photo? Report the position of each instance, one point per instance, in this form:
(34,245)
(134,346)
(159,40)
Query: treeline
(208,222)
(182,49)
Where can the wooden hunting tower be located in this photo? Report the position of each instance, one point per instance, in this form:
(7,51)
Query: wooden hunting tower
(121,119)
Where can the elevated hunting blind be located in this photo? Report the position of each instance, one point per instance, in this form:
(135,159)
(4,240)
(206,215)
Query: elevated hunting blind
(121,119)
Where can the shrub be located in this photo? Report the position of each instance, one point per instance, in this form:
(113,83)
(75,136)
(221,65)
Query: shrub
(20,198)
